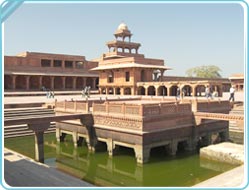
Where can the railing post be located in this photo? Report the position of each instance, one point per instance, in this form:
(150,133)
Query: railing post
(75,105)
(123,108)
(65,105)
(107,107)
(87,106)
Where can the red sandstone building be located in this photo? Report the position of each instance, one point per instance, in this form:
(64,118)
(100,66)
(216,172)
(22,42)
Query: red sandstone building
(32,71)
(237,80)
(121,71)
(124,71)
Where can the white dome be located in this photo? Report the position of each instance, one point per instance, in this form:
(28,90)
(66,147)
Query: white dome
(122,26)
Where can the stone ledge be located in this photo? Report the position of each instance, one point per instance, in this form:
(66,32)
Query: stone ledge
(224,152)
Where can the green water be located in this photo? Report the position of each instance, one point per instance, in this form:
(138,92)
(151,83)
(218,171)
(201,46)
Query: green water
(121,170)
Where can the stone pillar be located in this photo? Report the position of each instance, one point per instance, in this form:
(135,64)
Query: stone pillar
(75,139)
(161,79)
(110,147)
(156,91)
(94,83)
(220,92)
(52,83)
(63,83)
(146,91)
(114,91)
(88,142)
(172,147)
(58,134)
(74,83)
(121,91)
(27,82)
(39,145)
(132,91)
(84,82)
(194,91)
(63,64)
(142,153)
(40,82)
(14,82)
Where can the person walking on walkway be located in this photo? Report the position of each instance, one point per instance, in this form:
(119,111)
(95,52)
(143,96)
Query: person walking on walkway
(207,92)
(232,91)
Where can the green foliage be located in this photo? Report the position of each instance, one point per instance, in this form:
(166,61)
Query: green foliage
(209,71)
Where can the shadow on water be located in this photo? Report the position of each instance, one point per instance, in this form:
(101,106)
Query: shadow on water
(183,169)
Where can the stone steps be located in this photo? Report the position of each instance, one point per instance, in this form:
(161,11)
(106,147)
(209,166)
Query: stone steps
(20,113)
(236,132)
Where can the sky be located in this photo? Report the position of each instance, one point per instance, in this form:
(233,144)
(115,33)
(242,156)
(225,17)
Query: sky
(184,35)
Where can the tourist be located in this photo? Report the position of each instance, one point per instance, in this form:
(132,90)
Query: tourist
(178,92)
(52,94)
(207,92)
(183,93)
(88,91)
(232,91)
(47,93)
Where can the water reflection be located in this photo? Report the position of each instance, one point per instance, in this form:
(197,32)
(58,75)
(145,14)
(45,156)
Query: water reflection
(122,170)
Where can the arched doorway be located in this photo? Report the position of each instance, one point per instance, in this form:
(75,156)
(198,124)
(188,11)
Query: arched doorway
(79,83)
(151,91)
(89,82)
(162,91)
(187,90)
(110,90)
(200,90)
(34,82)
(46,82)
(8,81)
(173,90)
(141,90)
(69,82)
(117,91)
(58,84)
(103,90)
(21,82)
(127,91)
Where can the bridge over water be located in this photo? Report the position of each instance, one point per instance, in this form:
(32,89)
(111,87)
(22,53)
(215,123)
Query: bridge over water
(39,125)
(137,124)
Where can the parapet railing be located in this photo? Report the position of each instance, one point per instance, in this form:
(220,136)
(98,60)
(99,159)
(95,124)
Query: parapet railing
(142,109)
(72,106)
(211,106)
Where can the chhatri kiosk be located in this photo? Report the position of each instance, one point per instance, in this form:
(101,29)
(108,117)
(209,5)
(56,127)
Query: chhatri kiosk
(122,67)
(123,71)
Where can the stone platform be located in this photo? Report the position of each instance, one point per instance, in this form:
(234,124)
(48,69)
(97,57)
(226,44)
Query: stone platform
(224,152)
(20,171)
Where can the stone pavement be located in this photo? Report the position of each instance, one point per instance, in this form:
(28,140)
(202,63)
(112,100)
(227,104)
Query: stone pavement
(32,99)
(232,178)
(20,171)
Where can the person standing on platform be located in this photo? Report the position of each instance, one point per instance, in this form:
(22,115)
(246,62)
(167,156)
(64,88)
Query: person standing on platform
(232,91)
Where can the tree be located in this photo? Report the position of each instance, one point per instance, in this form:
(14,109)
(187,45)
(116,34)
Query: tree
(205,71)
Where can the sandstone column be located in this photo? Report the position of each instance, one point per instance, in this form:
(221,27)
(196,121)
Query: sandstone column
(27,82)
(14,82)
(39,145)
(142,153)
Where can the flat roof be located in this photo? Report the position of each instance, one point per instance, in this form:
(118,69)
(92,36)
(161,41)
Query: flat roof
(51,74)
(129,65)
